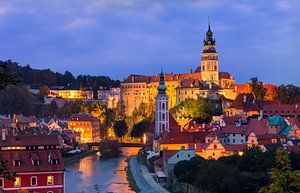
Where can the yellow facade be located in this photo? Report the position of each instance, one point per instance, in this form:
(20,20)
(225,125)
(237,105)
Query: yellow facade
(71,94)
(89,130)
(173,146)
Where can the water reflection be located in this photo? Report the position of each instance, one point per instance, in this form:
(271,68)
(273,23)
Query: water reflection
(92,175)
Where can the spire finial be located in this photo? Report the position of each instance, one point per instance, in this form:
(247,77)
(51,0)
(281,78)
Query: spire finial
(208,23)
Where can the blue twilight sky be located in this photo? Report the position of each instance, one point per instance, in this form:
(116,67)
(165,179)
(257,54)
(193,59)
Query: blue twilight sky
(122,37)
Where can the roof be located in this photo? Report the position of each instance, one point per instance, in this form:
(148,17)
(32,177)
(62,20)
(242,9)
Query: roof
(277,120)
(183,137)
(259,127)
(285,131)
(244,88)
(281,109)
(26,163)
(235,147)
(233,129)
(29,140)
(82,117)
(245,102)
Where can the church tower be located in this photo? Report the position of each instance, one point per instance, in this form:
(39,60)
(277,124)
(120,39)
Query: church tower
(162,109)
(209,59)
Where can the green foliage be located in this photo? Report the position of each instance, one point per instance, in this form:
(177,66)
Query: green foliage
(38,78)
(139,128)
(287,94)
(257,89)
(72,107)
(120,110)
(199,110)
(232,174)
(120,128)
(7,75)
(283,179)
(5,171)
(16,100)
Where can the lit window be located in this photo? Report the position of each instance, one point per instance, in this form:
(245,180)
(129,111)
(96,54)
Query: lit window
(33,181)
(50,180)
(50,192)
(1,182)
(17,183)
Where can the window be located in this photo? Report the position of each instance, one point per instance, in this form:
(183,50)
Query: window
(1,182)
(17,162)
(50,192)
(33,181)
(233,140)
(163,106)
(50,180)
(215,146)
(17,183)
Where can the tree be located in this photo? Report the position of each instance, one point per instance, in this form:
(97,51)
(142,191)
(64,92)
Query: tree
(197,109)
(282,178)
(7,75)
(16,100)
(139,128)
(288,94)
(257,89)
(120,128)
(120,110)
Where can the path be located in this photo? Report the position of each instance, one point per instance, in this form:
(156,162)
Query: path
(144,179)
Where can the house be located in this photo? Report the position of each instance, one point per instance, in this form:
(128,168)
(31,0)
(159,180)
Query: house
(170,158)
(37,161)
(21,121)
(87,125)
(244,104)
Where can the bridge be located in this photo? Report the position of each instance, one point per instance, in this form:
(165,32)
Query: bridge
(95,145)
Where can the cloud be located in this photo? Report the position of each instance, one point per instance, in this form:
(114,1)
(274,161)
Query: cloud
(80,23)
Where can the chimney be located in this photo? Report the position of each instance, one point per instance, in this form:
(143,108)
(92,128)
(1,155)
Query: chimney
(210,86)
(3,135)
(181,129)
(245,98)
(260,115)
(132,78)
(203,125)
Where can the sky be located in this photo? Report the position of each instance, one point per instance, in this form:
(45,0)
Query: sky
(117,38)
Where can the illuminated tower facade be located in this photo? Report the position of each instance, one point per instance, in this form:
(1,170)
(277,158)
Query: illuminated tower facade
(209,59)
(162,108)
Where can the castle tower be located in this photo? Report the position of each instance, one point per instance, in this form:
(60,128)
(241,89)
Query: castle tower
(209,59)
(162,109)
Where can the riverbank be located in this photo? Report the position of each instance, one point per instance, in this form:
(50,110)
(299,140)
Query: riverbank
(143,178)
(131,180)
(76,157)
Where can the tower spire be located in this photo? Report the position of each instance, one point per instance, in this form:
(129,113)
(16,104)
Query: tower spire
(161,86)
(209,23)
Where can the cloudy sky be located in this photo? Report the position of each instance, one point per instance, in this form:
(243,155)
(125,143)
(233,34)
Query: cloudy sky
(122,37)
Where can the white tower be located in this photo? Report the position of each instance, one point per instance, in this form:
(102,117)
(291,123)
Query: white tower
(162,109)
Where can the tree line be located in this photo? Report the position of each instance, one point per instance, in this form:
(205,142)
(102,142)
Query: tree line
(255,171)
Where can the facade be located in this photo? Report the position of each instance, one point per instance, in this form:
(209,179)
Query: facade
(109,97)
(71,94)
(37,161)
(162,108)
(87,125)
(137,89)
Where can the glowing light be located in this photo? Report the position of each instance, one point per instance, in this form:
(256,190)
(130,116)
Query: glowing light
(144,138)
(240,153)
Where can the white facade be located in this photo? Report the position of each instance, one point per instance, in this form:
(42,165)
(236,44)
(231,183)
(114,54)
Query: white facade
(161,114)
(233,138)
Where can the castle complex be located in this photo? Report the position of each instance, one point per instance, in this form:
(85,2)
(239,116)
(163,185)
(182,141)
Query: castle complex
(206,81)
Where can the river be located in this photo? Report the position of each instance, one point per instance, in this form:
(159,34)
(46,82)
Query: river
(94,175)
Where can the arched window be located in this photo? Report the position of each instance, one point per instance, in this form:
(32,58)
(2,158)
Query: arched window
(163,126)
(33,181)
(163,116)
(163,106)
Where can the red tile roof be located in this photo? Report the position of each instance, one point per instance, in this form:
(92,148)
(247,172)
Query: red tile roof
(235,147)
(26,140)
(26,163)
(245,102)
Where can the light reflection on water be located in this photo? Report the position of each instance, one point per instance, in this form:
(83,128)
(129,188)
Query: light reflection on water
(92,175)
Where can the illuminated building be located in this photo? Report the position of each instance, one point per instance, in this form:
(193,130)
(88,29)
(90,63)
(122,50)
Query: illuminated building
(137,89)
(36,160)
(71,94)
(87,125)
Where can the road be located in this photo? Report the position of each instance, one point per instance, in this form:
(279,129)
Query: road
(144,180)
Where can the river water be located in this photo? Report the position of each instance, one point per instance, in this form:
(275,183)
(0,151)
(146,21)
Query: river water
(92,175)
